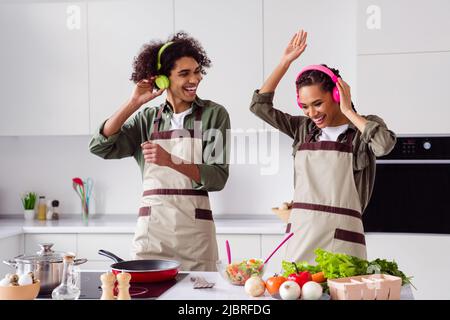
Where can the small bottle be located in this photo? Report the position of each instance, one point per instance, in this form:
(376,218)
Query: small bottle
(67,290)
(42,209)
(55,204)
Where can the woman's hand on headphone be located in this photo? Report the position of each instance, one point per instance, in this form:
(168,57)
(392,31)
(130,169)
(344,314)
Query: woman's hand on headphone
(345,96)
(144,91)
(295,47)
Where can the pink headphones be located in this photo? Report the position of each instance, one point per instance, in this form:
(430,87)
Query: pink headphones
(318,67)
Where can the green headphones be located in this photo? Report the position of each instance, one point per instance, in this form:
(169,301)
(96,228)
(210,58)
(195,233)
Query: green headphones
(162,81)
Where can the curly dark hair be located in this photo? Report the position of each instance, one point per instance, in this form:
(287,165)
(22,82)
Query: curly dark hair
(312,77)
(144,65)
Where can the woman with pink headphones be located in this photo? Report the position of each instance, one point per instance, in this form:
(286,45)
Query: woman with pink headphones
(334,154)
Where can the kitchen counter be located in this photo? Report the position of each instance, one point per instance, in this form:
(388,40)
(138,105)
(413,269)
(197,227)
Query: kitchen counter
(15,225)
(222,290)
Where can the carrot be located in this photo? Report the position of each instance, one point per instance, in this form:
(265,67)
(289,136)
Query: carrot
(318,277)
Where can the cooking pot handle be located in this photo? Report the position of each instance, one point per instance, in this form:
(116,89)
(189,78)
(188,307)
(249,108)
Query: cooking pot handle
(110,255)
(77,262)
(10,263)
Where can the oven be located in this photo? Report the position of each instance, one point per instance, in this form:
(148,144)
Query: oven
(412,188)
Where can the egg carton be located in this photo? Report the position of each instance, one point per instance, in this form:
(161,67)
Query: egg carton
(367,287)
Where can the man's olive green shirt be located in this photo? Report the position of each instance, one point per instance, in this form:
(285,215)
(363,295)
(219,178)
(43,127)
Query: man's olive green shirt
(138,129)
(376,140)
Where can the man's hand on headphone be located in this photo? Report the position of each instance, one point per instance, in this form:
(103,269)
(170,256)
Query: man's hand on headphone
(144,91)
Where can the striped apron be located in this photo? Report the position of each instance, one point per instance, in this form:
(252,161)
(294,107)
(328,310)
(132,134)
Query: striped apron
(175,221)
(326,212)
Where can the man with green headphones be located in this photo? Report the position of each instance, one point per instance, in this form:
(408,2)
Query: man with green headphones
(181,147)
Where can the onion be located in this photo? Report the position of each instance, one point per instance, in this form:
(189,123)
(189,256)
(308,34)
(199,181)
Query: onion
(290,290)
(311,291)
(254,286)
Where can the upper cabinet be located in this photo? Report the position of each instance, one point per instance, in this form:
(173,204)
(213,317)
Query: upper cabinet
(331,27)
(43,83)
(231,34)
(402,26)
(117,31)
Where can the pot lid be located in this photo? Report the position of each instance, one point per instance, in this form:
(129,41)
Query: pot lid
(46,254)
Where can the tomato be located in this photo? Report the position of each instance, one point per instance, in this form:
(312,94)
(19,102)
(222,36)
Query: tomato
(273,283)
(301,278)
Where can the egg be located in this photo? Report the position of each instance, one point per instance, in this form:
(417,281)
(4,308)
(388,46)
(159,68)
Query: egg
(25,279)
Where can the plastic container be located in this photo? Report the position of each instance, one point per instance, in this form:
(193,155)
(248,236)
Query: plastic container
(368,287)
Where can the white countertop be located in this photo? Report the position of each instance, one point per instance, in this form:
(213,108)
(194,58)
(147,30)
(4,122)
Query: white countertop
(223,290)
(11,226)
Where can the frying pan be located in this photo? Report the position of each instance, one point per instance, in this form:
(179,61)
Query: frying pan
(144,270)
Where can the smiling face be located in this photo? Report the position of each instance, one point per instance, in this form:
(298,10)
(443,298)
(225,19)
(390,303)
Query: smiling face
(184,80)
(318,105)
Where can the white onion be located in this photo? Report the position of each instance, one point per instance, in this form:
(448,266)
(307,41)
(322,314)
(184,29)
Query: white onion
(290,290)
(311,291)
(254,286)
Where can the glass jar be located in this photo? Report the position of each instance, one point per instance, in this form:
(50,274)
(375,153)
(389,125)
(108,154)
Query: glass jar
(68,289)
(42,209)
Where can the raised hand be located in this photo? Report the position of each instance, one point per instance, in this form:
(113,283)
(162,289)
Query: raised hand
(295,47)
(144,91)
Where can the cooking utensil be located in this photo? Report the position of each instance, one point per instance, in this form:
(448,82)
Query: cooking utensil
(279,246)
(88,185)
(153,270)
(227,244)
(78,186)
(47,266)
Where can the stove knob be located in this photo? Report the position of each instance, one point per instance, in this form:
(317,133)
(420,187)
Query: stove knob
(427,145)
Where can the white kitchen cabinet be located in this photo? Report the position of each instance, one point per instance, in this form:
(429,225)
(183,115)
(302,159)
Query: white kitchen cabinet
(386,26)
(404,89)
(89,244)
(268,243)
(117,30)
(43,83)
(10,247)
(231,34)
(331,27)
(65,242)
(243,246)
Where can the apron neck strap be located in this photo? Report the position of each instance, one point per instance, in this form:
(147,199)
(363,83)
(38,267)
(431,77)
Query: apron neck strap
(350,134)
(198,114)
(157,120)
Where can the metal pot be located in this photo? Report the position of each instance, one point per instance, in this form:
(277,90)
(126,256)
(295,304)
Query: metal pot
(47,266)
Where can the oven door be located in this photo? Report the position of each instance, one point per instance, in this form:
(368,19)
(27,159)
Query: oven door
(411,196)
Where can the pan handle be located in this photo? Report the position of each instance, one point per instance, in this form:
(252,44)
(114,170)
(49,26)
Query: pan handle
(110,255)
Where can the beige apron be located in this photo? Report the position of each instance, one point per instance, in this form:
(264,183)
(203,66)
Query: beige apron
(327,211)
(175,221)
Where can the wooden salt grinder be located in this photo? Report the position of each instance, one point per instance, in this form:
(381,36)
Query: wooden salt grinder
(123,280)
(108,280)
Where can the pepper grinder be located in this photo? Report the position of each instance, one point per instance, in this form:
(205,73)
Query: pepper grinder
(108,280)
(123,280)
